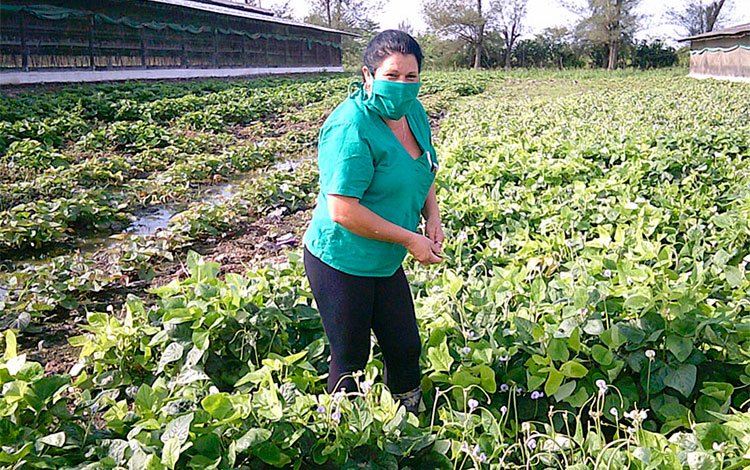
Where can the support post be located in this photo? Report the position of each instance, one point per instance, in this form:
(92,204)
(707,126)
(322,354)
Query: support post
(184,61)
(216,47)
(143,48)
(92,65)
(24,46)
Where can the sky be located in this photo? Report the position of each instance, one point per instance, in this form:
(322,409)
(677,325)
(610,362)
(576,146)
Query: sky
(541,14)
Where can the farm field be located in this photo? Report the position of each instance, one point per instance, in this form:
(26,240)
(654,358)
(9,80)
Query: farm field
(591,313)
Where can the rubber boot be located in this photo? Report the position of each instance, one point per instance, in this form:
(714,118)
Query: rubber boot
(411,399)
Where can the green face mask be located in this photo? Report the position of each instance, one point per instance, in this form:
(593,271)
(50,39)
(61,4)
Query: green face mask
(392,100)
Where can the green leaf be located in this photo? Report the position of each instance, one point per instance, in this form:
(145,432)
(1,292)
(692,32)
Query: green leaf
(636,302)
(680,346)
(574,370)
(613,338)
(574,341)
(252,438)
(440,358)
(594,327)
(24,370)
(558,350)
(538,290)
(218,405)
(733,276)
(554,380)
(565,390)
(487,377)
(682,379)
(55,440)
(10,345)
(201,339)
(602,355)
(170,454)
(271,454)
(178,428)
(720,390)
(171,353)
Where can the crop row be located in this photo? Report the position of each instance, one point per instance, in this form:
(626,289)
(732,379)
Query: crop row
(170,157)
(71,281)
(590,313)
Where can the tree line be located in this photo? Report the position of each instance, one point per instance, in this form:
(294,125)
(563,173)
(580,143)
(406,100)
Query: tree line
(490,33)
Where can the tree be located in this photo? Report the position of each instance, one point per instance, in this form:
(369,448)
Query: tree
(607,23)
(406,27)
(466,20)
(355,16)
(510,14)
(347,15)
(283,10)
(698,16)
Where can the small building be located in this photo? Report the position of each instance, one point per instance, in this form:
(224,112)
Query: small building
(81,40)
(723,54)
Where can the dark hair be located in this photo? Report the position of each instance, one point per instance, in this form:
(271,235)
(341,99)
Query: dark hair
(389,42)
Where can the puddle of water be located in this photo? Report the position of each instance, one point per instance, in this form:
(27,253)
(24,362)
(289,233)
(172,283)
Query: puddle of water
(149,221)
(148,224)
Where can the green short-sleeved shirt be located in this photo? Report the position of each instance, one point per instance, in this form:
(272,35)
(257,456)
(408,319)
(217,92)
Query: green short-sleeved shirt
(359,156)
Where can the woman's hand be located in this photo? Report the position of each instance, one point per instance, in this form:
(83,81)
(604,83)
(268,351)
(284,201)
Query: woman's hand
(423,249)
(434,231)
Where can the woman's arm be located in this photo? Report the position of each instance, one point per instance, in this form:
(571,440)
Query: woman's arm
(353,216)
(431,213)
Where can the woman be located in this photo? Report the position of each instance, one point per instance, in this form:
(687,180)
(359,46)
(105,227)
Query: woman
(377,170)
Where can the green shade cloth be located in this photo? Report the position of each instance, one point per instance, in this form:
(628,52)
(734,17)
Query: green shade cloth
(359,156)
(53,13)
(719,49)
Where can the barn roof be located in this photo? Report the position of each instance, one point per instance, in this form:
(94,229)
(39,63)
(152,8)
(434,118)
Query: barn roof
(734,31)
(226,7)
(240,5)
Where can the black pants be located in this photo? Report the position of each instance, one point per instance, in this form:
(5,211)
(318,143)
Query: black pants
(349,307)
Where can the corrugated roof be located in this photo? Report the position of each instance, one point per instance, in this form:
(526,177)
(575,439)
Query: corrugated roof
(738,30)
(238,10)
(239,4)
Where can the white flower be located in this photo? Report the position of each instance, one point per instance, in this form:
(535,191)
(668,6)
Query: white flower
(338,396)
(630,430)
(650,354)
(526,427)
(607,273)
(367,386)
(613,411)
(473,404)
(719,447)
(464,448)
(466,350)
(503,410)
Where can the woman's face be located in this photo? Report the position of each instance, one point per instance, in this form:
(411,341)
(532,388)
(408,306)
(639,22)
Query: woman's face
(396,67)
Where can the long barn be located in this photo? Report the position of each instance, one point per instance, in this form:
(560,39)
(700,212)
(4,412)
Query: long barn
(80,40)
(723,54)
